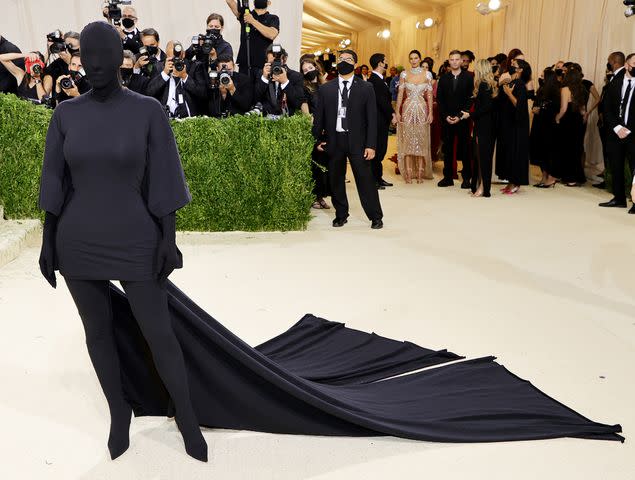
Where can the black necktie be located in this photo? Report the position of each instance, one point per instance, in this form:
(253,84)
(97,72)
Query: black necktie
(345,105)
(625,101)
(181,108)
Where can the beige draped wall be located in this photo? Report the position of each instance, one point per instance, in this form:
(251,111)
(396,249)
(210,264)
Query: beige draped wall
(26,22)
(583,31)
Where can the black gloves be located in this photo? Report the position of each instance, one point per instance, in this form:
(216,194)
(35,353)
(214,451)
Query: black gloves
(47,254)
(169,256)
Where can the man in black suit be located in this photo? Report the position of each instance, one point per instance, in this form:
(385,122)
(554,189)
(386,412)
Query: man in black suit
(454,96)
(8,83)
(615,70)
(619,119)
(385,115)
(179,90)
(234,93)
(279,94)
(347,113)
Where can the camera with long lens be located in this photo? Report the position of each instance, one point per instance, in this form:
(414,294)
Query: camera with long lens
(204,43)
(145,52)
(277,67)
(114,10)
(178,62)
(225,77)
(58,44)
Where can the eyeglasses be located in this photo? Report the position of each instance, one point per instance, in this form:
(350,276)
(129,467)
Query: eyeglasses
(350,60)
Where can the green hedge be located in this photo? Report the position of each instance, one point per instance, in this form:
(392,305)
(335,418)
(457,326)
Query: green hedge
(244,173)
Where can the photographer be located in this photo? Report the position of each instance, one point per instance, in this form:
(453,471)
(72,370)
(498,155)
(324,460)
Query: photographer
(74,84)
(174,87)
(64,46)
(133,81)
(264,27)
(211,45)
(29,78)
(232,92)
(151,58)
(7,81)
(125,21)
(278,88)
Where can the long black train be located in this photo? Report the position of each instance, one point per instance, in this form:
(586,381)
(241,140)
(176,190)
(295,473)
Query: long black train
(320,378)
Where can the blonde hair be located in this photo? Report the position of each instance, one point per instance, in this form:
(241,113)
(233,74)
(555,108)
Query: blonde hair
(483,74)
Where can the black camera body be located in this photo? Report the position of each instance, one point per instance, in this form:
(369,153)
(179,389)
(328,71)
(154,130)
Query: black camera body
(114,10)
(178,61)
(277,67)
(57,38)
(66,83)
(214,82)
(209,40)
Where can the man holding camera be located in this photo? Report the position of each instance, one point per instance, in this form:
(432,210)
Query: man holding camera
(126,25)
(211,45)
(231,93)
(151,58)
(174,87)
(74,84)
(133,81)
(263,29)
(278,88)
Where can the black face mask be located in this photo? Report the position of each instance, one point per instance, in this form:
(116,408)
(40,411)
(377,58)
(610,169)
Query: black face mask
(512,70)
(494,68)
(71,50)
(126,73)
(102,55)
(152,50)
(127,23)
(609,67)
(311,76)
(559,72)
(261,4)
(345,68)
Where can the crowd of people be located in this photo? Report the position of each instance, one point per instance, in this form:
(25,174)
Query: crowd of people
(476,112)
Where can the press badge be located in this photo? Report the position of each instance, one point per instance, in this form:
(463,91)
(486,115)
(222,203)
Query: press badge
(342,113)
(180,98)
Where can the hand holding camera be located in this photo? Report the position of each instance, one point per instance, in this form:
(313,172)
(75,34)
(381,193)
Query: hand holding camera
(169,66)
(281,76)
(266,70)
(65,82)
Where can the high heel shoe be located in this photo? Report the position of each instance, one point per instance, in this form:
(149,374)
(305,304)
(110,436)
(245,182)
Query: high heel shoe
(195,444)
(119,437)
(546,185)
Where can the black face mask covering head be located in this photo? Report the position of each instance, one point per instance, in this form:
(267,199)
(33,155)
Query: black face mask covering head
(101,52)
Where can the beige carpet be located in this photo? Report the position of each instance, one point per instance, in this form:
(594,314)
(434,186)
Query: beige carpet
(543,280)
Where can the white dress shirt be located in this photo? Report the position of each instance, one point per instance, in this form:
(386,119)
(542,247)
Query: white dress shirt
(172,100)
(338,125)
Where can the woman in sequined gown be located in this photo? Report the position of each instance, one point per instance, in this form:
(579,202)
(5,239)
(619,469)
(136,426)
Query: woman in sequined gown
(414,116)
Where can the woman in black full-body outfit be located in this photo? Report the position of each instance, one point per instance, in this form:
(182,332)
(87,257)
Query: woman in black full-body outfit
(571,128)
(515,115)
(484,133)
(543,139)
(111,183)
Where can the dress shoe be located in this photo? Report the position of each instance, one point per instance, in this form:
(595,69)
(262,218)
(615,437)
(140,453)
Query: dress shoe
(466,185)
(380,186)
(632,210)
(339,222)
(446,182)
(384,183)
(614,204)
(377,224)
(601,186)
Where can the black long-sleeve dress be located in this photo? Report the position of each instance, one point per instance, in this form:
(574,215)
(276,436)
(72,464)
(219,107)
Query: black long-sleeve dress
(571,133)
(512,154)
(543,151)
(320,163)
(111,170)
(484,117)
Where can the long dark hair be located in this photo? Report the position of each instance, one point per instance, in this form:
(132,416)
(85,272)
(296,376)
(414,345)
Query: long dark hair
(549,91)
(508,61)
(525,76)
(414,51)
(573,80)
(310,86)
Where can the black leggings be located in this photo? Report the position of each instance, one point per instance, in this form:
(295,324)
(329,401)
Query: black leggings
(149,303)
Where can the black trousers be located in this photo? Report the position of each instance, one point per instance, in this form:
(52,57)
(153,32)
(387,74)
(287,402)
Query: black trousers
(619,151)
(483,146)
(461,132)
(380,152)
(149,304)
(363,179)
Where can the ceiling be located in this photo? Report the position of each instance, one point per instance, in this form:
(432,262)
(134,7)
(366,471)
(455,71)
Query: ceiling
(325,22)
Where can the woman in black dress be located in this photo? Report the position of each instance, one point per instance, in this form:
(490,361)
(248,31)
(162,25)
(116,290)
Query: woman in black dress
(543,138)
(313,78)
(485,90)
(571,130)
(111,183)
(515,114)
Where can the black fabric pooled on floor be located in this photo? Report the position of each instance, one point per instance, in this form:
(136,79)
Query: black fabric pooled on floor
(235,386)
